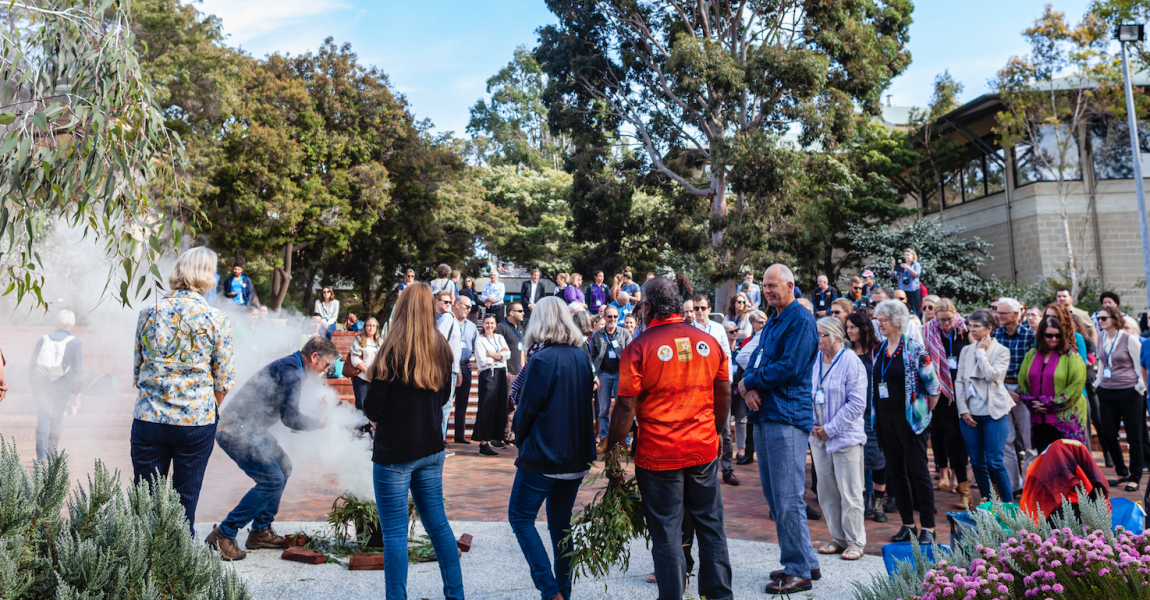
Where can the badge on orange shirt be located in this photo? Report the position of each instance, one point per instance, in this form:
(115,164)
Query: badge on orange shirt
(683,346)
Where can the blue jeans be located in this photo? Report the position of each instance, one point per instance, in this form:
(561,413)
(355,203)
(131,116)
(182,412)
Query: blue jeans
(985,445)
(608,389)
(667,497)
(264,461)
(527,495)
(424,479)
(184,450)
(782,470)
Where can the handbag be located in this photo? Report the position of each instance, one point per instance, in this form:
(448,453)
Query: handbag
(349,370)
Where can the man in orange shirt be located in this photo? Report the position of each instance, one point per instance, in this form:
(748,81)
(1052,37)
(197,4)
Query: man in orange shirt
(674,378)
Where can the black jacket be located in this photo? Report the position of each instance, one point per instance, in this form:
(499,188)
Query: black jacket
(409,421)
(555,418)
(525,293)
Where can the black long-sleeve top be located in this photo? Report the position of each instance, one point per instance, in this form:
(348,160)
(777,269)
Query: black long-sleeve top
(408,420)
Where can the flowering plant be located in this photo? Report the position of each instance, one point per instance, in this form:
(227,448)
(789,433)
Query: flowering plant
(1073,555)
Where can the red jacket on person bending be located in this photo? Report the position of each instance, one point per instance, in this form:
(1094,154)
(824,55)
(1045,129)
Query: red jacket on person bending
(1058,472)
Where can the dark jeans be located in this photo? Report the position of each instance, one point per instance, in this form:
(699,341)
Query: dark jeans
(424,479)
(157,447)
(946,439)
(51,402)
(608,390)
(462,397)
(527,495)
(987,447)
(914,302)
(1123,407)
(907,468)
(359,387)
(258,454)
(667,496)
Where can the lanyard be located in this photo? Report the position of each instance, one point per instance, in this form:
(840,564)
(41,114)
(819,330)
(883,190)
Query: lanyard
(834,362)
(515,329)
(1110,350)
(299,360)
(611,338)
(885,362)
(950,344)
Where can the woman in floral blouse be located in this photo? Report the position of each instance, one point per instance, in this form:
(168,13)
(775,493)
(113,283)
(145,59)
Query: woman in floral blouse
(183,370)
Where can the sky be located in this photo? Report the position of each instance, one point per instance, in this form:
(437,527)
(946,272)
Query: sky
(439,53)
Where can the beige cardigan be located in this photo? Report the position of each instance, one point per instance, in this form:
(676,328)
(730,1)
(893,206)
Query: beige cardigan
(985,370)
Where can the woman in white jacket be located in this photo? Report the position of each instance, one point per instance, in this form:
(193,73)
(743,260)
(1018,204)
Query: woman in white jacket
(363,351)
(984,403)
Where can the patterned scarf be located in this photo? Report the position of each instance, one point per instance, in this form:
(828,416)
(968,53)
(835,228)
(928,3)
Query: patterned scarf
(937,350)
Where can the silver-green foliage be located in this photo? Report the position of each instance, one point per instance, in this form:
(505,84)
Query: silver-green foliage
(111,544)
(993,529)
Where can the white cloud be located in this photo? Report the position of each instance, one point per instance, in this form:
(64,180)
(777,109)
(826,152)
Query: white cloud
(248,19)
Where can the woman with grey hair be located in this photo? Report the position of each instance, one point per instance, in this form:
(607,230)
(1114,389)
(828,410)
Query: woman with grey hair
(983,404)
(56,373)
(837,438)
(555,430)
(905,389)
(183,370)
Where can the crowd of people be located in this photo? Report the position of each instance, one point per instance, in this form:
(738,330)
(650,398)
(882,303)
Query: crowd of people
(861,382)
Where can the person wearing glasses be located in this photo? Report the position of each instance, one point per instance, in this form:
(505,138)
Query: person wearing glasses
(491,353)
(1052,381)
(468,291)
(511,330)
(906,388)
(840,309)
(752,290)
(493,294)
(271,396)
(855,294)
(607,346)
(1120,387)
(468,333)
(946,335)
(328,308)
(984,405)
(737,313)
(1019,340)
(449,327)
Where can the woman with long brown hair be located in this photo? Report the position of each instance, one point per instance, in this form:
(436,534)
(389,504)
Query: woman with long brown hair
(410,384)
(1051,381)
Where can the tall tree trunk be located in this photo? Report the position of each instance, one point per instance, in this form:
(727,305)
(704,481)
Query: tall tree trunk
(1069,245)
(281,278)
(718,206)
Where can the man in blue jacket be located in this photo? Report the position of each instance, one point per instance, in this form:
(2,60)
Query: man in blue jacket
(271,395)
(238,287)
(777,389)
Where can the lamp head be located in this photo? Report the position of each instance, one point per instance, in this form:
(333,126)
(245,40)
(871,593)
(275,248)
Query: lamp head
(1130,33)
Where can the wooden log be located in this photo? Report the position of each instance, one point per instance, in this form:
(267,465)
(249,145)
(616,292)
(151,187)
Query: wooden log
(303,555)
(364,561)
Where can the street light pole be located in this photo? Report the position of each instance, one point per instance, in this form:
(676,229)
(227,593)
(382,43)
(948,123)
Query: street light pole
(1128,33)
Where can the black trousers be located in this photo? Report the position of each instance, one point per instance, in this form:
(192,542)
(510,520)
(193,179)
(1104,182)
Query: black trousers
(946,439)
(491,419)
(907,467)
(158,448)
(1123,407)
(462,397)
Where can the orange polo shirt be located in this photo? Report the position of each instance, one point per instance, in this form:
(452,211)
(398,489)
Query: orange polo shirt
(672,368)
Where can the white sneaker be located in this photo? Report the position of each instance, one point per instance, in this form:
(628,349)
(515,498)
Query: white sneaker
(449,454)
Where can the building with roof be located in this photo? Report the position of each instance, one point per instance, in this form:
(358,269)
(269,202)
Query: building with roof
(1008,198)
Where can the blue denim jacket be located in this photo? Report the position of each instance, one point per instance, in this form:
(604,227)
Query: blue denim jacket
(780,369)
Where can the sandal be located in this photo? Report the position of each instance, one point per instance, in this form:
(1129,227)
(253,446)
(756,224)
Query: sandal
(1131,487)
(831,548)
(852,553)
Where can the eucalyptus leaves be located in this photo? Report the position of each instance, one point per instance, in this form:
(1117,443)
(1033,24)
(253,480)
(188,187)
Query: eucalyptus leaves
(601,533)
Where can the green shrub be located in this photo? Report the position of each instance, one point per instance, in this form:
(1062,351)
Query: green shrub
(108,544)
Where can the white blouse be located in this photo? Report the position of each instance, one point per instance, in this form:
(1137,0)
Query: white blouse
(328,314)
(363,356)
(484,345)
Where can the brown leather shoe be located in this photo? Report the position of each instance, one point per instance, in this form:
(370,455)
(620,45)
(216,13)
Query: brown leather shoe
(229,549)
(788,585)
(816,574)
(602,447)
(264,538)
(729,478)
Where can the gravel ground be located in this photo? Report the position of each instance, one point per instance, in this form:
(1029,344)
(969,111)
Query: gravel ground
(495,570)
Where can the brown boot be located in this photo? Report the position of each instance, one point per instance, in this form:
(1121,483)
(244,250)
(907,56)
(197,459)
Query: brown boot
(264,538)
(965,500)
(228,548)
(602,448)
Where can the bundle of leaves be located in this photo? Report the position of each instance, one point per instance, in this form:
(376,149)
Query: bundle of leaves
(109,544)
(1066,557)
(355,527)
(600,534)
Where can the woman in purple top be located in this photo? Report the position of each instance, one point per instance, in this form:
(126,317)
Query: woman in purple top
(572,293)
(598,294)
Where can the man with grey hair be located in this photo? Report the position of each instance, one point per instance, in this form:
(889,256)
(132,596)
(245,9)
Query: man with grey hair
(56,374)
(824,295)
(777,390)
(675,379)
(1019,339)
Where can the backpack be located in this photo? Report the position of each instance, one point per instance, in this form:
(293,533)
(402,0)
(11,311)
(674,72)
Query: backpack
(50,362)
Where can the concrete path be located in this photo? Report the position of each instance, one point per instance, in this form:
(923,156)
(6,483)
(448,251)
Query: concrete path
(495,570)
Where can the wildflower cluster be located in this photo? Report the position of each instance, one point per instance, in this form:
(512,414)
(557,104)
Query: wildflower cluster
(1064,565)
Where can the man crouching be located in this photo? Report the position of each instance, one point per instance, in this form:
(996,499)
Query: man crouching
(271,395)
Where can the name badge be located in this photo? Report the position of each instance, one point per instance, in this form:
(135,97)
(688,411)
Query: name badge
(952,362)
(883,391)
(614,343)
(819,396)
(1106,372)
(611,353)
(521,346)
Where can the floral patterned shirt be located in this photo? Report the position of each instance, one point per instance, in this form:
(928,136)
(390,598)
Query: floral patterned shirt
(183,356)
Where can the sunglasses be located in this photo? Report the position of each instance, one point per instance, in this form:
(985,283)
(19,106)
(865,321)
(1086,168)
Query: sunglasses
(611,317)
(1101,318)
(1052,336)
(702,308)
(856,287)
